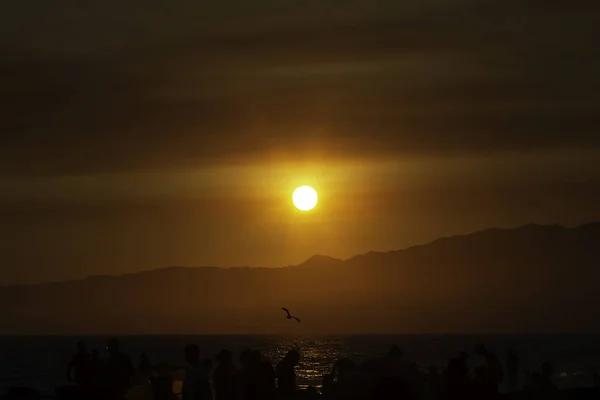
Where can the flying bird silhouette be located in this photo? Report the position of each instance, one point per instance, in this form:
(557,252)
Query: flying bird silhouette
(290,316)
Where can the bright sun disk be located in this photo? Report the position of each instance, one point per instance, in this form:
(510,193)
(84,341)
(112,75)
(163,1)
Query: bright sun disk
(305,198)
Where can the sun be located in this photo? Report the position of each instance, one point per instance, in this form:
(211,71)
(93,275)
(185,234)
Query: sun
(305,198)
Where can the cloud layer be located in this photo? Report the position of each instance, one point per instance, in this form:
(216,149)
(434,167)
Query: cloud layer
(116,89)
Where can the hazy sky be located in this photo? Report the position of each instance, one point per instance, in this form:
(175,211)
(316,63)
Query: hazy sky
(141,134)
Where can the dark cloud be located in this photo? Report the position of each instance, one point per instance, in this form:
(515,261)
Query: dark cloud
(485,76)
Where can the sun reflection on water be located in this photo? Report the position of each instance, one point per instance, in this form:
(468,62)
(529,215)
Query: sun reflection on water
(318,354)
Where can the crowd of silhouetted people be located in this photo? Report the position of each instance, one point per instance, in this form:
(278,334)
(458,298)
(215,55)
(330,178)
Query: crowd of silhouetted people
(108,378)
(256,378)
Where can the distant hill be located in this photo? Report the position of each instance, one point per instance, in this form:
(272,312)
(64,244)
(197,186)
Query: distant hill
(529,279)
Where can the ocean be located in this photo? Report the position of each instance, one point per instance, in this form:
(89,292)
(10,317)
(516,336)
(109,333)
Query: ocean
(41,361)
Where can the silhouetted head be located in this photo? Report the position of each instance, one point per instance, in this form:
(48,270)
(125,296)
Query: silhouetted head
(113,346)
(81,347)
(245,358)
(293,356)
(480,349)
(547,369)
(192,354)
(144,361)
(395,353)
(224,357)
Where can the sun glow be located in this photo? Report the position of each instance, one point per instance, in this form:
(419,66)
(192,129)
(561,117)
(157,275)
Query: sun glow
(305,198)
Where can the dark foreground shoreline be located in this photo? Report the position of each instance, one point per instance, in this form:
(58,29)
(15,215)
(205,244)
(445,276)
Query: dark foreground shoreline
(478,374)
(72,393)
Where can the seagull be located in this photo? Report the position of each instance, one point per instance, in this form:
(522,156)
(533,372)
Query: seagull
(290,316)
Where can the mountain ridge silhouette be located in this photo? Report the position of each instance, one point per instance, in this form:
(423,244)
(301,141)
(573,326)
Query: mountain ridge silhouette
(526,279)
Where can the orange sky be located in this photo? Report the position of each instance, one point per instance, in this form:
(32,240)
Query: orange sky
(177,136)
(58,228)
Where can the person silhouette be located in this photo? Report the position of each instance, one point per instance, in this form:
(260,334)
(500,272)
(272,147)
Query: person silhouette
(328,386)
(196,384)
(266,388)
(347,380)
(482,386)
(224,376)
(243,377)
(286,374)
(247,379)
(415,379)
(343,370)
(495,373)
(95,368)
(394,363)
(118,370)
(79,365)
(145,367)
(535,384)
(373,370)
(455,380)
(595,377)
(512,369)
(392,388)
(547,385)
(433,382)
(463,357)
(257,377)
